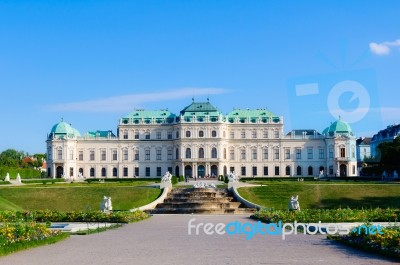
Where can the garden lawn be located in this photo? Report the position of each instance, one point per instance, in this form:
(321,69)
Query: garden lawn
(317,195)
(75,198)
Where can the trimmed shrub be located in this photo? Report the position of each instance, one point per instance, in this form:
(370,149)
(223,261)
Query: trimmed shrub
(174,180)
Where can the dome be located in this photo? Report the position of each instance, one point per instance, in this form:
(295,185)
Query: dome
(338,127)
(63,129)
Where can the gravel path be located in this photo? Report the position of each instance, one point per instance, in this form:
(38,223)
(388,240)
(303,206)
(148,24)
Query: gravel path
(164,239)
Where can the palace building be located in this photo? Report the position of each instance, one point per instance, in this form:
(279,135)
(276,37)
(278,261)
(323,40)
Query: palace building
(201,142)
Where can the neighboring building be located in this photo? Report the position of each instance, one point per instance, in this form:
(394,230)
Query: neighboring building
(386,135)
(200,142)
(363,148)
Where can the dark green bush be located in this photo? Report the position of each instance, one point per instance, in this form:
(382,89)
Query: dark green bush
(174,180)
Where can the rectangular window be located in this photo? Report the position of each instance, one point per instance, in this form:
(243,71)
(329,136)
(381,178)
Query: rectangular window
(80,155)
(243,134)
(158,171)
(243,154)
(331,152)
(321,153)
(169,154)
(254,171)
(276,134)
(265,153)
(232,154)
(276,171)
(170,170)
(265,171)
(342,152)
(298,153)
(330,170)
(254,134)
(276,153)
(147,137)
(71,154)
(158,135)
(158,154)
(114,155)
(309,153)
(125,135)
(136,154)
(125,154)
(232,134)
(169,135)
(243,170)
(103,155)
(91,156)
(265,134)
(254,154)
(136,171)
(147,171)
(353,153)
(125,171)
(147,154)
(59,154)
(136,135)
(287,153)
(354,170)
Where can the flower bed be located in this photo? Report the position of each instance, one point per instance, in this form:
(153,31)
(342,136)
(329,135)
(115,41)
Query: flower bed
(23,235)
(45,216)
(328,215)
(387,243)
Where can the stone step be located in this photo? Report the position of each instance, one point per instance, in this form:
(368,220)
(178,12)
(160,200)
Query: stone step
(202,211)
(208,205)
(217,200)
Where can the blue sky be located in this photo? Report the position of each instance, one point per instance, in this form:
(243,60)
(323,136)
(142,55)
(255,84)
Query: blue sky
(92,62)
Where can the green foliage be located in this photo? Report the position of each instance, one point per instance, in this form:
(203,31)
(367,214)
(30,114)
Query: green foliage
(387,243)
(181,178)
(45,216)
(11,158)
(24,235)
(25,173)
(174,180)
(226,179)
(328,215)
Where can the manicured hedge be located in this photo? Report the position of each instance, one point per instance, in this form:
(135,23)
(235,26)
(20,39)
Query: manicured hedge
(44,181)
(122,179)
(45,216)
(25,173)
(328,215)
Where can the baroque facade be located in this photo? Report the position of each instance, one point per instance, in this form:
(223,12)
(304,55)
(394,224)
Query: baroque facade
(201,142)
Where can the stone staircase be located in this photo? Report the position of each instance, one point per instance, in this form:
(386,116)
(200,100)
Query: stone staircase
(200,201)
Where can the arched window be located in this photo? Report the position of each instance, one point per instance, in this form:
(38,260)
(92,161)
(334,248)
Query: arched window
(201,133)
(115,172)
(287,170)
(298,173)
(201,152)
(187,133)
(214,133)
(92,172)
(214,152)
(310,171)
(188,153)
(177,134)
(177,153)
(103,172)
(224,153)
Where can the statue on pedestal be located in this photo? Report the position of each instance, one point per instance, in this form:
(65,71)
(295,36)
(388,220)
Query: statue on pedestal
(294,204)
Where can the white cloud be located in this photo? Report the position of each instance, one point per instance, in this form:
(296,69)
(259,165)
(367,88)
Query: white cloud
(128,102)
(383,48)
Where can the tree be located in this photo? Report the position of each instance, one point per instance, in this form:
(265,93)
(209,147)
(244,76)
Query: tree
(11,158)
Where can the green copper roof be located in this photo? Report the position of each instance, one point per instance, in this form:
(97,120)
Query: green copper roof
(253,115)
(62,129)
(148,114)
(338,126)
(98,133)
(200,108)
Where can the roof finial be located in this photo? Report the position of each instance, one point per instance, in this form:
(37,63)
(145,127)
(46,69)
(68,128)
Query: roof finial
(192,99)
(208,99)
(62,119)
